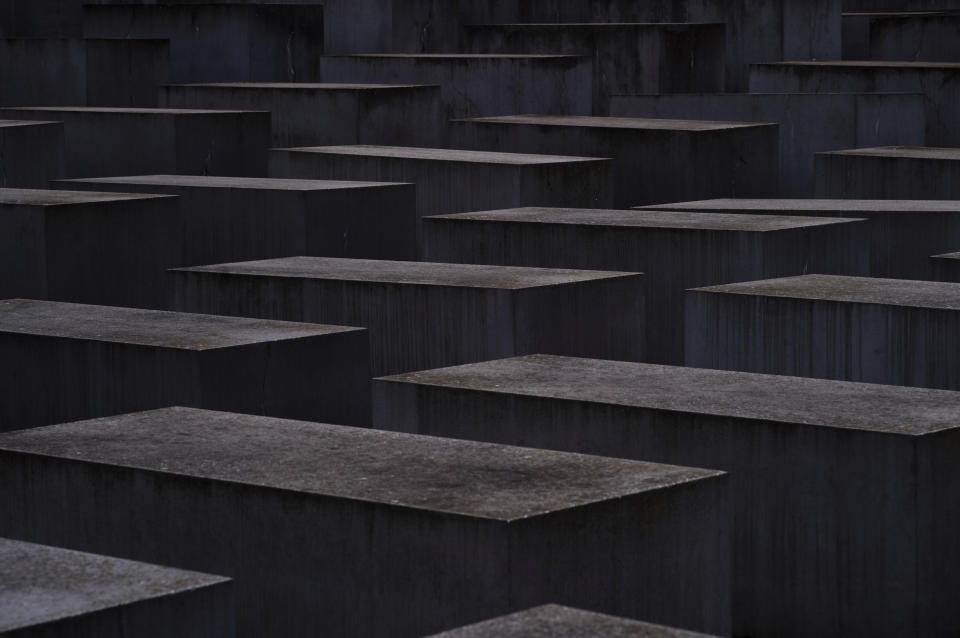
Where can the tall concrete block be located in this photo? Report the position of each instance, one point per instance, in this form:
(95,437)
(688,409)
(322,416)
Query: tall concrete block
(928,36)
(242,218)
(675,250)
(655,160)
(99,248)
(893,331)
(31,153)
(103,141)
(845,495)
(47,591)
(317,114)
(889,172)
(809,122)
(355,532)
(69,361)
(900,234)
(423,315)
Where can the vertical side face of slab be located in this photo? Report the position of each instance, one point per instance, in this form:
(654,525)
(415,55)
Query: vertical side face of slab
(125,72)
(32,153)
(35,71)
(886,177)
(222,144)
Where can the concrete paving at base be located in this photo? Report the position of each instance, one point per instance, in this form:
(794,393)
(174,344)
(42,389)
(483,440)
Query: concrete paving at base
(889,172)
(32,153)
(924,36)
(305,516)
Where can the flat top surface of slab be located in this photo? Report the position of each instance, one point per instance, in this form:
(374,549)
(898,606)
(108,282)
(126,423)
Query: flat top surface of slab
(14,123)
(442,154)
(952,256)
(129,111)
(910,152)
(852,206)
(154,328)
(744,395)
(561,26)
(645,219)
(933,295)
(409,272)
(212,181)
(443,475)
(33,197)
(636,123)
(43,584)
(864,64)
(465,56)
(312,86)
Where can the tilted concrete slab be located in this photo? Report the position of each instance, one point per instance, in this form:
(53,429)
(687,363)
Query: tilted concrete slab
(926,36)
(32,153)
(889,172)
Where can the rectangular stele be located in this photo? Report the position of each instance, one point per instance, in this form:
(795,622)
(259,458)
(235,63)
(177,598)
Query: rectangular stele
(32,153)
(337,531)
(68,361)
(425,315)
(846,496)
(889,172)
(48,591)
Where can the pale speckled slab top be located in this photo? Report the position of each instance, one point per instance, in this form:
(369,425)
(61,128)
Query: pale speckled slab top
(127,110)
(442,154)
(13,123)
(305,86)
(817,206)
(34,197)
(40,584)
(214,181)
(635,123)
(743,395)
(902,152)
(466,478)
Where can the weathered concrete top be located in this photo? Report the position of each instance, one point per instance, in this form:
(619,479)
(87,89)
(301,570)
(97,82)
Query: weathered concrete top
(844,206)
(743,395)
(155,328)
(213,181)
(864,290)
(127,110)
(635,123)
(41,584)
(306,86)
(554,621)
(409,272)
(645,219)
(951,256)
(443,475)
(864,64)
(32,197)
(12,123)
(910,152)
(443,155)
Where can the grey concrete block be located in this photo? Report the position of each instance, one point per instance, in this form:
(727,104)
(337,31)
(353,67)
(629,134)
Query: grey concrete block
(893,331)
(655,160)
(41,19)
(929,36)
(355,532)
(69,361)
(88,247)
(31,153)
(845,495)
(946,267)
(306,114)
(244,218)
(889,172)
(423,315)
(675,250)
(50,592)
(104,141)
(809,122)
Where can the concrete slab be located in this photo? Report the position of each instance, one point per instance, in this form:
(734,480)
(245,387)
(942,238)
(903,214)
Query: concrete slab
(946,267)
(70,361)
(48,591)
(307,114)
(809,122)
(889,172)
(655,160)
(676,250)
(844,497)
(41,19)
(891,331)
(928,36)
(304,516)
(106,248)
(423,315)
(32,153)
(281,217)
(102,141)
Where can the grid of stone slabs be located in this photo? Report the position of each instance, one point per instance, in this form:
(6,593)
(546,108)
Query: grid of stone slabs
(892,331)
(675,250)
(901,234)
(304,517)
(32,153)
(889,172)
(48,591)
(844,494)
(425,315)
(69,361)
(655,160)
(281,217)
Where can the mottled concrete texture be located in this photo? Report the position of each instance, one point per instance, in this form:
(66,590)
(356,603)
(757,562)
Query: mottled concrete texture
(928,36)
(32,153)
(424,315)
(845,495)
(890,172)
(46,591)
(451,532)
(69,361)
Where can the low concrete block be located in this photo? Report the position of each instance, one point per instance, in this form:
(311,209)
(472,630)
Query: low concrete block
(889,172)
(423,315)
(891,331)
(46,591)
(809,122)
(99,248)
(69,361)
(654,160)
(243,218)
(928,36)
(315,522)
(675,250)
(32,153)
(103,141)
(845,495)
